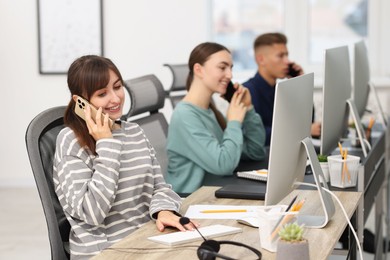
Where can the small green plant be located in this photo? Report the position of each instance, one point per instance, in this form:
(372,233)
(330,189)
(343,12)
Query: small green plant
(322,158)
(291,232)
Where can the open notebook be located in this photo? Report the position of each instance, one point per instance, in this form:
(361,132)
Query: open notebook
(259,175)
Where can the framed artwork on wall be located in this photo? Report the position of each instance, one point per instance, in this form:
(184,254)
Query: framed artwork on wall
(67,30)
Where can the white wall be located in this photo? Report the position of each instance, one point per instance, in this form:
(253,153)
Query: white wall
(139,36)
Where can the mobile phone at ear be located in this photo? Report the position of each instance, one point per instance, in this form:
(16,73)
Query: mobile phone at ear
(291,71)
(80,106)
(229,92)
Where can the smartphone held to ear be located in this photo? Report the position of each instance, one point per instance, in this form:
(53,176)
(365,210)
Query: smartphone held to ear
(80,106)
(229,92)
(291,71)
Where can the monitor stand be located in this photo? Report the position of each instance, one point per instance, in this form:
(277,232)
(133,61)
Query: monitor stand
(326,199)
(359,127)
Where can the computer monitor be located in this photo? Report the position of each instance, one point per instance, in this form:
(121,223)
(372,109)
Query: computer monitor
(336,92)
(337,102)
(362,84)
(361,87)
(291,145)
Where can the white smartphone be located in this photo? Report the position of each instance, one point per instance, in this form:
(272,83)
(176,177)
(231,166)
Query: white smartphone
(80,106)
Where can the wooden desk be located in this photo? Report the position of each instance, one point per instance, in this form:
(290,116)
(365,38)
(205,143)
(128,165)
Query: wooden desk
(321,241)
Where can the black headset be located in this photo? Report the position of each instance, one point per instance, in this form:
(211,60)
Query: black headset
(209,249)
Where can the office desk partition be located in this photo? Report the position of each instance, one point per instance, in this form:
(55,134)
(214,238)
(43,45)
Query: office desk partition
(321,241)
(373,187)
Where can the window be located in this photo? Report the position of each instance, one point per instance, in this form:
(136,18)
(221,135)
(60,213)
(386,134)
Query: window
(236,23)
(310,25)
(335,23)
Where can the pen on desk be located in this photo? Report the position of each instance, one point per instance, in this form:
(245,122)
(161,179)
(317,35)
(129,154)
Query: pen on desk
(223,211)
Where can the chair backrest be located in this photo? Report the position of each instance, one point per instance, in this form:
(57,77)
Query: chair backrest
(178,88)
(147,97)
(41,137)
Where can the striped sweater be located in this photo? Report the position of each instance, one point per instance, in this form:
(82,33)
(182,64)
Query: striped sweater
(108,196)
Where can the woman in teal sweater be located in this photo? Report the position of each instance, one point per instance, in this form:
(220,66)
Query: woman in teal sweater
(201,144)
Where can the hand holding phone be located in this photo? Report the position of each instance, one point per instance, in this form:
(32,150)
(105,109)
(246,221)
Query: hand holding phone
(229,92)
(80,106)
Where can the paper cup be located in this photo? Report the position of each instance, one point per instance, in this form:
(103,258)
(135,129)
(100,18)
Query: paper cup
(343,173)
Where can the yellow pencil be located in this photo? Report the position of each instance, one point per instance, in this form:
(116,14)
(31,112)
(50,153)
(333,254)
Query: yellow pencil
(341,150)
(346,166)
(223,211)
(296,207)
(285,219)
(299,205)
(368,130)
(344,163)
(371,123)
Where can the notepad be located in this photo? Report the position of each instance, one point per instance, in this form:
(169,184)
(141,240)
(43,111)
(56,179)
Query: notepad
(259,175)
(208,232)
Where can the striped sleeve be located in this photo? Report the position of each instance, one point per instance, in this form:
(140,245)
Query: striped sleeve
(163,198)
(86,186)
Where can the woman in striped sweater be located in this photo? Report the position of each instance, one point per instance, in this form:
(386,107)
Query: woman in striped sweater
(108,181)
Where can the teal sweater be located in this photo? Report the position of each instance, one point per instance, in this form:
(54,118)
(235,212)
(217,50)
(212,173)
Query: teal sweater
(197,147)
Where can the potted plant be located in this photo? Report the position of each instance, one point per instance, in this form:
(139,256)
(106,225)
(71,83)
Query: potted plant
(323,159)
(291,244)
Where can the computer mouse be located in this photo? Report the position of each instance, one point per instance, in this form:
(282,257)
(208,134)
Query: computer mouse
(249,221)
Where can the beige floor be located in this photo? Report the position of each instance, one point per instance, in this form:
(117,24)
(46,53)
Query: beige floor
(23,233)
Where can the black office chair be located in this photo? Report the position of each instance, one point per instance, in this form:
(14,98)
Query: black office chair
(41,137)
(147,97)
(178,88)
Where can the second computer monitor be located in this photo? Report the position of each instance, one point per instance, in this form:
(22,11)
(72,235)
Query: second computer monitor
(291,124)
(336,92)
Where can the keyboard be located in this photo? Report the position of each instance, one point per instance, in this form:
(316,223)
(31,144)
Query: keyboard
(179,237)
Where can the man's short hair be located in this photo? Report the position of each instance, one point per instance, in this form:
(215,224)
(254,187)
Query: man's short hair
(269,39)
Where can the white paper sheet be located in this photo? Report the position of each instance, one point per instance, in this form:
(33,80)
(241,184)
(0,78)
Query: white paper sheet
(194,211)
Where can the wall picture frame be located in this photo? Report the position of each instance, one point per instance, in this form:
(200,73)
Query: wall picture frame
(67,30)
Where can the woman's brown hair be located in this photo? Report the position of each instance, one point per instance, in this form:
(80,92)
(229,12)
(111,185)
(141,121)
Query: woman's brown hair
(86,75)
(200,54)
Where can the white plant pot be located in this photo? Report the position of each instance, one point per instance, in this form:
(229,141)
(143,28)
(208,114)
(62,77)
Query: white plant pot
(325,171)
